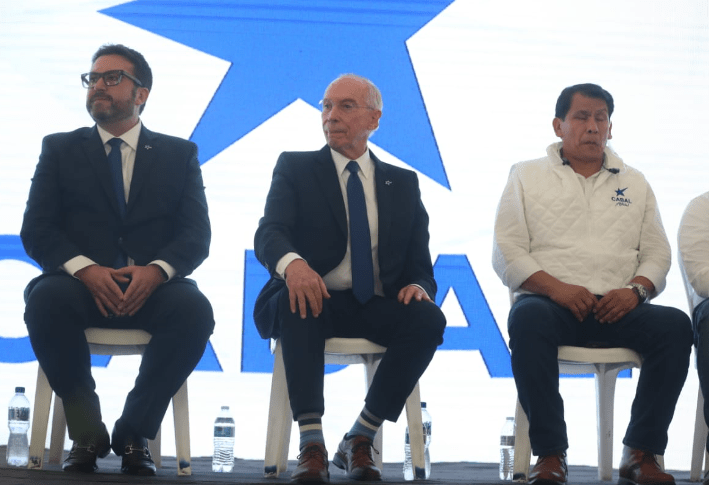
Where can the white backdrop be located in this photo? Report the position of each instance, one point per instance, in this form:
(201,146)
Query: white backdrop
(489,73)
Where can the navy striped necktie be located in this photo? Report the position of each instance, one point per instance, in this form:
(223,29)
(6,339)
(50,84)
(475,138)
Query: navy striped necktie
(360,241)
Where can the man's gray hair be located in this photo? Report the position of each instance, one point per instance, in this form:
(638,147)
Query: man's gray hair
(374,96)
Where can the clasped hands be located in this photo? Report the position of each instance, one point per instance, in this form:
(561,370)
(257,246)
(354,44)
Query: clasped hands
(307,289)
(609,309)
(103,283)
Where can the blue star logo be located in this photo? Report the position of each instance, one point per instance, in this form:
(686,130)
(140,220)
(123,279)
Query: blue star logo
(283,50)
(621,192)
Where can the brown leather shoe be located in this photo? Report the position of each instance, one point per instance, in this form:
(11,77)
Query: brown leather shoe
(312,465)
(354,455)
(550,470)
(639,467)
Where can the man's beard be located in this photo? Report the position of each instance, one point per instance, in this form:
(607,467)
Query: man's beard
(117,111)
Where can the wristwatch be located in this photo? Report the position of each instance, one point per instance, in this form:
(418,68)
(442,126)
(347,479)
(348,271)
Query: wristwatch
(640,291)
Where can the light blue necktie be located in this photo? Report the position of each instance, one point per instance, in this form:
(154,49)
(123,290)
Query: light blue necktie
(116,166)
(360,241)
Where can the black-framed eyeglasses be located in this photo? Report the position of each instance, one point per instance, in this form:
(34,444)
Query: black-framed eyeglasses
(110,78)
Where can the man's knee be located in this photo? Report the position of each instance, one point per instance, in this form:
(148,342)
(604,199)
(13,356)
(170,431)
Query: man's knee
(426,320)
(194,309)
(674,327)
(53,296)
(288,321)
(531,316)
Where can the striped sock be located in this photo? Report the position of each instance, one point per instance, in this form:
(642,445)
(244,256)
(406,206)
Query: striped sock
(310,426)
(367,424)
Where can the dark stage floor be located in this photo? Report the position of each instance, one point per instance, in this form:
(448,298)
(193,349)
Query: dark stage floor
(251,471)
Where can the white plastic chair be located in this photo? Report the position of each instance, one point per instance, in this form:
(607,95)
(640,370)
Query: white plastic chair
(605,364)
(700,456)
(104,341)
(337,351)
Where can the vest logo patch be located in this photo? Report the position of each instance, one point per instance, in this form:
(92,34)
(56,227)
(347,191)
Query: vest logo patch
(620,199)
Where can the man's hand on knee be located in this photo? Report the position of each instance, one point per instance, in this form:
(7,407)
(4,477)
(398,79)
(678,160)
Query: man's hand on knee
(305,288)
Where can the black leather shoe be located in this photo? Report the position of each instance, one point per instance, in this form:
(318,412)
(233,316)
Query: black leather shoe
(134,452)
(83,454)
(136,460)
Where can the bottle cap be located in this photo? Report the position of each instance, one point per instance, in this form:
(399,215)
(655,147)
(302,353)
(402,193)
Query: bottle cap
(20,390)
(423,404)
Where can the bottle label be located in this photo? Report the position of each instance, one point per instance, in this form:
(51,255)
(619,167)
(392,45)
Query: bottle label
(224,431)
(426,432)
(18,414)
(507,440)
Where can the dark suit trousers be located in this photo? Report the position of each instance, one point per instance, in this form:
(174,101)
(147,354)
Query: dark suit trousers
(411,334)
(177,315)
(661,335)
(700,321)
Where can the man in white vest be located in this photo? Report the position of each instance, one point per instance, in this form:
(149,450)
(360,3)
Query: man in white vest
(579,240)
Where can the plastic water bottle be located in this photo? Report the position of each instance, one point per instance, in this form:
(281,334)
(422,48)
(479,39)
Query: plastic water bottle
(408,465)
(18,420)
(426,419)
(507,449)
(224,432)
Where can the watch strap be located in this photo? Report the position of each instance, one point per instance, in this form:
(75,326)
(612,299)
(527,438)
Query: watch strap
(640,291)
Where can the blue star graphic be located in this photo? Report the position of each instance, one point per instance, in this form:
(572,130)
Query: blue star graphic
(283,50)
(621,192)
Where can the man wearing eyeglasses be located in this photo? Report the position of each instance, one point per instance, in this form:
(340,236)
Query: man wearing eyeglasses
(345,239)
(117,218)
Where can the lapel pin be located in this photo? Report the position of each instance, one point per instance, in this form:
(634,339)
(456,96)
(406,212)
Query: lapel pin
(388,182)
(148,147)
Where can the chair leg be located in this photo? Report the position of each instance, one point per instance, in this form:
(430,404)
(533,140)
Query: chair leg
(413,416)
(181,413)
(700,440)
(523,449)
(155,447)
(56,443)
(605,395)
(42,403)
(280,420)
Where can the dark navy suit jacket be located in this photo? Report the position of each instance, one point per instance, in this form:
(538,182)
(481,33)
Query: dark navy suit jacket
(305,213)
(72,208)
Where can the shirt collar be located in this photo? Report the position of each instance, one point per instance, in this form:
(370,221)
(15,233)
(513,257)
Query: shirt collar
(130,137)
(366,166)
